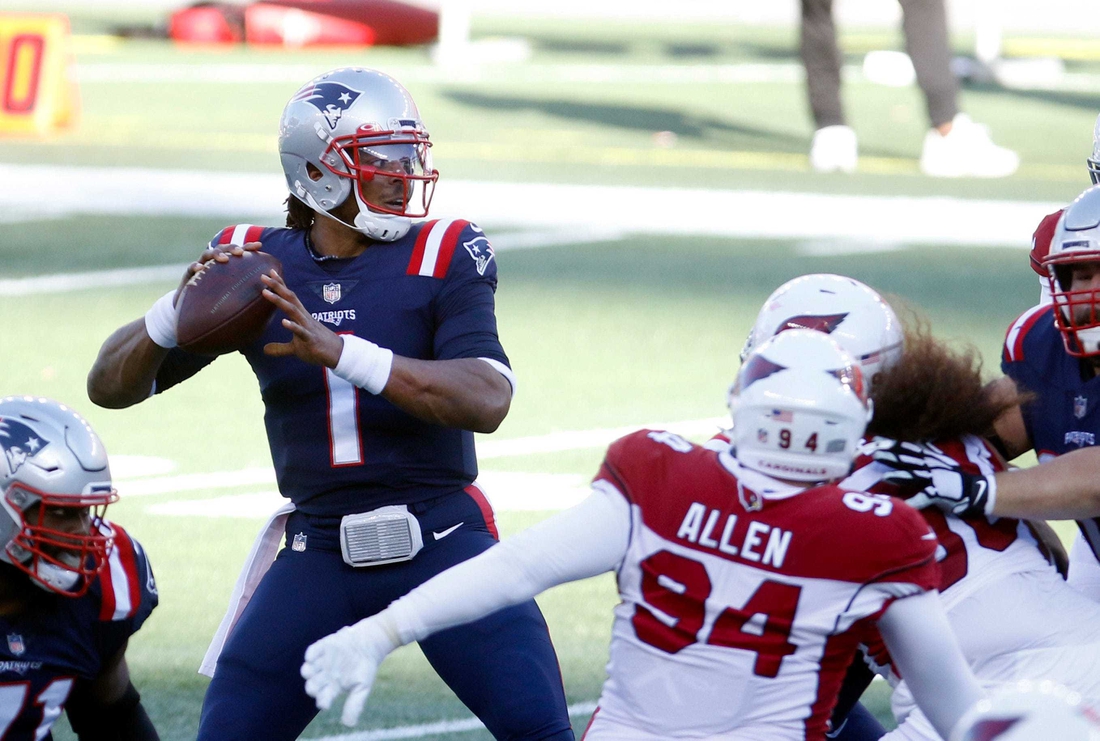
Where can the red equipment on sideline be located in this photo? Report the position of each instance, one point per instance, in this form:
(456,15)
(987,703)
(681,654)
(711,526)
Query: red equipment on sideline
(297,23)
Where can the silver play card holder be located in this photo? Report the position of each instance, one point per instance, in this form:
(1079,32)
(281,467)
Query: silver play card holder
(381,536)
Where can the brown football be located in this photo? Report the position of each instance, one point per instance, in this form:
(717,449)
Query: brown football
(221,308)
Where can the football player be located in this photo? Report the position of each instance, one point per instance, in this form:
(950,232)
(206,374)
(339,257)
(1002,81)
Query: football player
(73,586)
(989,566)
(746,579)
(383,361)
(1051,352)
(1044,233)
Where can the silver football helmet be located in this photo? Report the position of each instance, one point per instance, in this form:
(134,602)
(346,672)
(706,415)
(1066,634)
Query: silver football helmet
(1076,241)
(352,130)
(1094,160)
(55,485)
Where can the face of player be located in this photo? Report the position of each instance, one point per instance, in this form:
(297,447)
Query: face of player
(391,193)
(1085,276)
(64,520)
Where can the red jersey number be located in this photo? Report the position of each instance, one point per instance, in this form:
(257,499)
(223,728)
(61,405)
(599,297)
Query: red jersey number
(678,587)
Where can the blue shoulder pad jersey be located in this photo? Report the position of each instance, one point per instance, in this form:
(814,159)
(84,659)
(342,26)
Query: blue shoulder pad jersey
(45,651)
(1065,413)
(338,449)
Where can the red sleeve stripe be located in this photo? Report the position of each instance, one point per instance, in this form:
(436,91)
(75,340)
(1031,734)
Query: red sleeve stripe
(482,502)
(121,586)
(447,248)
(418,249)
(434,247)
(223,237)
(1014,341)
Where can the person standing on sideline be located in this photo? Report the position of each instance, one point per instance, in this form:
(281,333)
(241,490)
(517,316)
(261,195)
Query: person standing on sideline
(955,146)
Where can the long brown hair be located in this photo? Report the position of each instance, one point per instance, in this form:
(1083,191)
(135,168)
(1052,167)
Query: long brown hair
(934,392)
(298,214)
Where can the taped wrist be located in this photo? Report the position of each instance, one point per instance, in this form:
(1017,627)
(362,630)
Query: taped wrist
(123,720)
(364,364)
(160,321)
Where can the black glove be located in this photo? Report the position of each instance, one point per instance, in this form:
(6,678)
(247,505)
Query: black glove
(938,478)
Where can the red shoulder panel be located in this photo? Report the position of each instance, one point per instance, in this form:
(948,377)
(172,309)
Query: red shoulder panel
(1041,239)
(121,580)
(447,247)
(1018,330)
(238,234)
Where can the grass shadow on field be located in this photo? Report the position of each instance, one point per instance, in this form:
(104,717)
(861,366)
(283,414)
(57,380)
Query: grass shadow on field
(638,118)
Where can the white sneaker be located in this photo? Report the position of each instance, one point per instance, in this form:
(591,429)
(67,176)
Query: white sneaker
(966,151)
(834,149)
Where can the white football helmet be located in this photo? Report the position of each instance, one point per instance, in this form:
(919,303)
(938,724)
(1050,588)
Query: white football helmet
(353,125)
(848,311)
(52,461)
(1094,160)
(1029,711)
(1076,240)
(802,408)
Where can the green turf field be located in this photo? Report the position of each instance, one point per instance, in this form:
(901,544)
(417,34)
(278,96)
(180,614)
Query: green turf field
(640,330)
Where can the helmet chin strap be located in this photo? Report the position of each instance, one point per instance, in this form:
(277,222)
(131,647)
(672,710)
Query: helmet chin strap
(1089,339)
(379,227)
(55,576)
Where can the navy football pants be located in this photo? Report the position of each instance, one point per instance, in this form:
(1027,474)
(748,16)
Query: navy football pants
(502,667)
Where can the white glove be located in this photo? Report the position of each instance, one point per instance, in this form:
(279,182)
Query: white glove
(938,478)
(348,660)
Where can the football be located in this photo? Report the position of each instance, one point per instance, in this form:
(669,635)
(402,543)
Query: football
(221,308)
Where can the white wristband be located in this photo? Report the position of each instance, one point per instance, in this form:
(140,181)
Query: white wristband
(160,321)
(364,364)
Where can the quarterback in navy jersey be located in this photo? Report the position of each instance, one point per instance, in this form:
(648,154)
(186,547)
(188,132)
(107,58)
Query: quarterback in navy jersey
(381,362)
(73,586)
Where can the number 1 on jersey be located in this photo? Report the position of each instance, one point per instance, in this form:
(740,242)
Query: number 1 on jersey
(345,447)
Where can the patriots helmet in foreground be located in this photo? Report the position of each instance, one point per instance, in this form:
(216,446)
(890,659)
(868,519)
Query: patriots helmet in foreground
(55,485)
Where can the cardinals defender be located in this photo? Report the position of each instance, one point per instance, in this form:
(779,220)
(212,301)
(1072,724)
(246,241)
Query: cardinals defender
(1044,233)
(746,581)
(73,586)
(381,362)
(989,565)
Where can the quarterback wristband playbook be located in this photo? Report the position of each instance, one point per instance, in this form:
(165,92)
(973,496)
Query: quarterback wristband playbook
(364,364)
(160,321)
(384,535)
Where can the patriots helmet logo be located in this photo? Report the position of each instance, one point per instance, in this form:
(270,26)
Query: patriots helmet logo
(330,98)
(824,323)
(19,442)
(482,252)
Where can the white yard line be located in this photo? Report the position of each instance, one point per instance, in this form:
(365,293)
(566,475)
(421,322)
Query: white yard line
(488,449)
(438,728)
(615,210)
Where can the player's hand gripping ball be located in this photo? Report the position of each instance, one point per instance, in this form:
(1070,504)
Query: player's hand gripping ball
(221,307)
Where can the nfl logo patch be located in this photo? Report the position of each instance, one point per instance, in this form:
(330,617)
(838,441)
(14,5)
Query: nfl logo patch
(1080,406)
(299,543)
(16,645)
(330,292)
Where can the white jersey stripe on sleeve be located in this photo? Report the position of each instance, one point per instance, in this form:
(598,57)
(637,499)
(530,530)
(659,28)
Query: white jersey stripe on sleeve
(120,585)
(432,245)
(240,233)
(1011,341)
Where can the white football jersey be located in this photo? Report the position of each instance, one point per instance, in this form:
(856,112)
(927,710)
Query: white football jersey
(744,599)
(975,550)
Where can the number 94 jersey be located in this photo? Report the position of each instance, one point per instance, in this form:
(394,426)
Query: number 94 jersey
(743,598)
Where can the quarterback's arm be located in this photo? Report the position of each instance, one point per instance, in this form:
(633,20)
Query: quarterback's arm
(467,393)
(588,539)
(126,367)
(925,652)
(108,708)
(1066,488)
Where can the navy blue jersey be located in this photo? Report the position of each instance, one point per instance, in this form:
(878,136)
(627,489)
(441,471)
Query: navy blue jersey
(338,449)
(63,640)
(1065,413)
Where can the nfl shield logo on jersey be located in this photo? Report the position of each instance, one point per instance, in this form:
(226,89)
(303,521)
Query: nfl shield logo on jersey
(1080,406)
(16,645)
(299,544)
(330,292)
